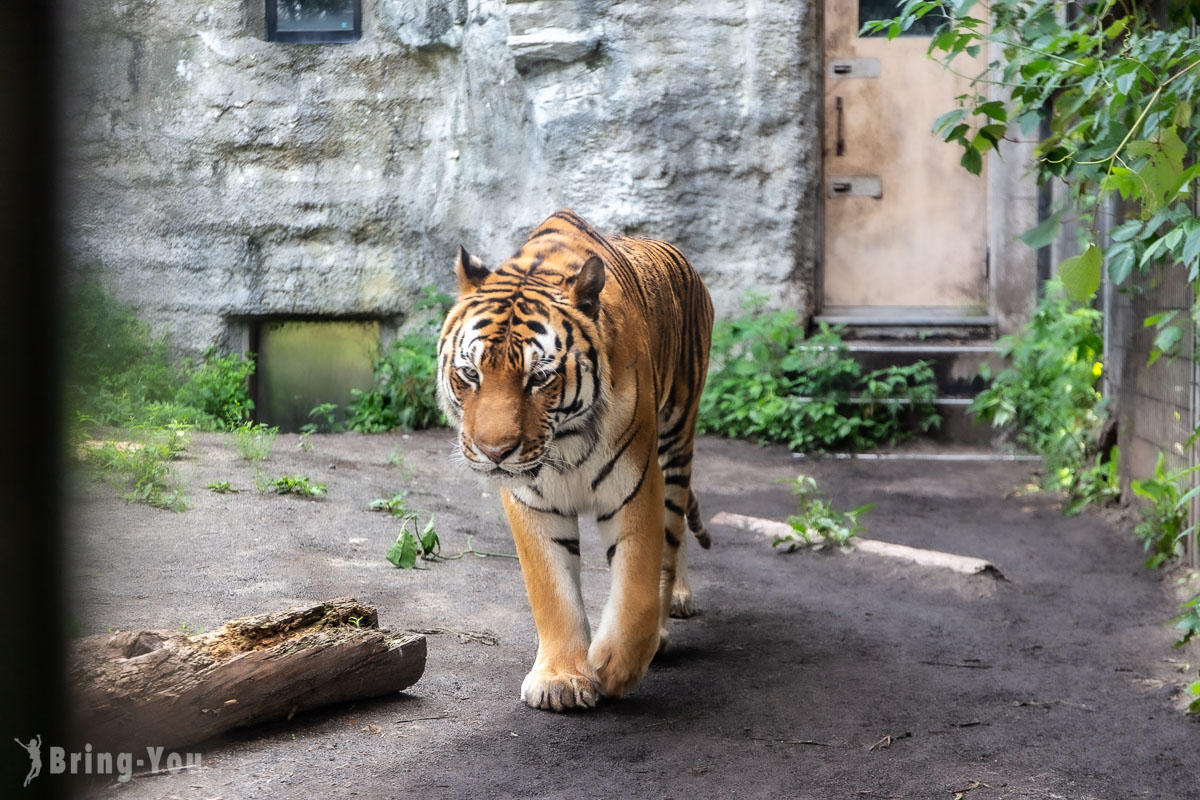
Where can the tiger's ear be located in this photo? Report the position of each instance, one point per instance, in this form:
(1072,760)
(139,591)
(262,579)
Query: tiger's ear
(470,272)
(586,286)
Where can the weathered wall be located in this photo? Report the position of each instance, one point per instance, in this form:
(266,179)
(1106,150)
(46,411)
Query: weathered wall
(215,175)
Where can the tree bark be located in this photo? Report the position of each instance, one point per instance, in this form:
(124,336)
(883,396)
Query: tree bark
(137,689)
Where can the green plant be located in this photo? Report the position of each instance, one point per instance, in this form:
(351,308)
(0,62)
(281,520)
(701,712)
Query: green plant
(255,441)
(768,381)
(221,487)
(324,419)
(408,546)
(118,375)
(189,630)
(396,505)
(142,463)
(1048,395)
(292,484)
(304,442)
(816,523)
(404,393)
(1164,521)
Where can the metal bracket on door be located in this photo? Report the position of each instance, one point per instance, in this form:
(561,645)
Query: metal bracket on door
(854,68)
(868,186)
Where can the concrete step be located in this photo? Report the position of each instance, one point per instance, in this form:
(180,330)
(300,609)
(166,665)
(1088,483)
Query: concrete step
(955,363)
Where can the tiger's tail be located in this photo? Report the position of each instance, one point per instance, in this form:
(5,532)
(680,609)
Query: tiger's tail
(695,523)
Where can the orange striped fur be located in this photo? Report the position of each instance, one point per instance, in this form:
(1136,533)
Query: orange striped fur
(574,372)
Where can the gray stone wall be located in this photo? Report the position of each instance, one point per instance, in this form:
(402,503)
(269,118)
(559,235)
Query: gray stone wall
(214,176)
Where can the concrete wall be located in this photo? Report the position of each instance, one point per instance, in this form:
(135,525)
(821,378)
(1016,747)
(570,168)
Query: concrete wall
(215,176)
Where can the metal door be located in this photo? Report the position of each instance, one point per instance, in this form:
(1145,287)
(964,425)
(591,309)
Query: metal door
(905,226)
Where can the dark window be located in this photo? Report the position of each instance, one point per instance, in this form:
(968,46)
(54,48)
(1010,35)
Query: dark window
(314,21)
(889,9)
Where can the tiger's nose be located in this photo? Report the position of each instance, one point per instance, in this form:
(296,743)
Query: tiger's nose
(497,453)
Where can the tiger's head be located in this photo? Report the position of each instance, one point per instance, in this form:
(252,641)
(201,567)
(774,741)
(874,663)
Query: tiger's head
(520,364)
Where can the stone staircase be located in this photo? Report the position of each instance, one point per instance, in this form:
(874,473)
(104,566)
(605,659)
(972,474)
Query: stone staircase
(956,364)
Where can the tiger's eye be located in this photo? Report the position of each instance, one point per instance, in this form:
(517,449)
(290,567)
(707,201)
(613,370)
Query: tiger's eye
(468,373)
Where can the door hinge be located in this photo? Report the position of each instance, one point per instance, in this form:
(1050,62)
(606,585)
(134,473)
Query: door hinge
(987,263)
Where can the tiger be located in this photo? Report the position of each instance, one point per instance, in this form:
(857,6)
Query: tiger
(573,373)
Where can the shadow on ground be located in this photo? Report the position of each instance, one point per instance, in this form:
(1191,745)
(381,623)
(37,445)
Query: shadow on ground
(804,675)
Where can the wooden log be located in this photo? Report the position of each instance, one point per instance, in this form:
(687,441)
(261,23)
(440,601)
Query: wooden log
(148,688)
(966,565)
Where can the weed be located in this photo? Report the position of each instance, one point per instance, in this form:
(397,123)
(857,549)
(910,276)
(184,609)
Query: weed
(768,381)
(117,375)
(189,630)
(218,388)
(143,463)
(816,523)
(1164,521)
(304,443)
(356,621)
(255,441)
(408,546)
(324,419)
(221,487)
(404,393)
(1048,395)
(396,505)
(291,484)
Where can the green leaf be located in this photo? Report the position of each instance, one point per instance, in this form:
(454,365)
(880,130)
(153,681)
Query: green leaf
(1080,274)
(1044,233)
(1165,342)
(949,119)
(404,552)
(993,110)
(972,161)
(429,539)
(1191,249)
(1183,114)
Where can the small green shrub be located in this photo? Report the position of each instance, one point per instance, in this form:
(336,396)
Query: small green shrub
(816,523)
(1164,520)
(218,388)
(408,546)
(324,419)
(404,394)
(292,484)
(255,441)
(117,375)
(396,505)
(1048,395)
(142,463)
(768,381)
(221,487)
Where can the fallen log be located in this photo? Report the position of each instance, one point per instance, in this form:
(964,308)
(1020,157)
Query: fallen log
(137,689)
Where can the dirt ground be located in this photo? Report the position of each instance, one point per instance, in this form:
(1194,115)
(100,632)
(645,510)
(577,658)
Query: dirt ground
(1060,683)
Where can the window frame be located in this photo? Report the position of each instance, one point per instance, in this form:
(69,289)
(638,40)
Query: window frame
(312,37)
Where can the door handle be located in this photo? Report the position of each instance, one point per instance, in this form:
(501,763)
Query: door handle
(841,139)
(841,187)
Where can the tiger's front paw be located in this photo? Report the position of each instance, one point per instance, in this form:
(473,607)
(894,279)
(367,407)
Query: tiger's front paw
(558,691)
(620,665)
(681,604)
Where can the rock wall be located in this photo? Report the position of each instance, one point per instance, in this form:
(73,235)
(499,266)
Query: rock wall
(213,176)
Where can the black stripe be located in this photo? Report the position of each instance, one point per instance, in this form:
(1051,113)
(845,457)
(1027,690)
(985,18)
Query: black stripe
(672,539)
(607,468)
(572,545)
(681,460)
(678,480)
(633,494)
(673,507)
(612,551)
(554,511)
